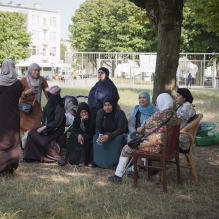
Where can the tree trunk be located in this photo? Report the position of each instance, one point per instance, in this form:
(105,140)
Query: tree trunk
(168,47)
(167,15)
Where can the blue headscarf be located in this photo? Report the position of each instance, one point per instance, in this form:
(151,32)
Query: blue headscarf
(101,90)
(147,111)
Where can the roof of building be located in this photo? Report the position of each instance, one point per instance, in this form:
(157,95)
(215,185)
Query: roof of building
(9,6)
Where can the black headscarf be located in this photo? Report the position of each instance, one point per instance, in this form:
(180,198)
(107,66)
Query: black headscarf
(101,90)
(186,94)
(82,106)
(49,110)
(109,123)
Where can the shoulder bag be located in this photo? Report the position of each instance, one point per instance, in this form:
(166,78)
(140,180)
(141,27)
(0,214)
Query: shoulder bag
(26,107)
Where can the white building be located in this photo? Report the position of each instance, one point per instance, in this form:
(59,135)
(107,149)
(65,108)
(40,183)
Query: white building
(45,28)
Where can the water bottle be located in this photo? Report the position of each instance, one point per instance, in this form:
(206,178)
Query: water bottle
(100,138)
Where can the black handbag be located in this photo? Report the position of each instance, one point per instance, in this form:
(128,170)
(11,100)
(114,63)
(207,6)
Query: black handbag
(26,107)
(134,139)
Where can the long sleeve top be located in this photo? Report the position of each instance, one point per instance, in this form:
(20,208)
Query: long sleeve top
(120,119)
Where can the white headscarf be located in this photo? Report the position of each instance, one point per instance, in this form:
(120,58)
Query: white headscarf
(164,101)
(34,83)
(8,75)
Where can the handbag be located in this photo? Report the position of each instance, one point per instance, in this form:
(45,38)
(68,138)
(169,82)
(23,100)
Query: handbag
(135,138)
(26,107)
(47,132)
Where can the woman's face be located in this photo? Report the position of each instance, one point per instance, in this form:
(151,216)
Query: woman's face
(143,100)
(83,113)
(179,99)
(108,108)
(36,72)
(101,75)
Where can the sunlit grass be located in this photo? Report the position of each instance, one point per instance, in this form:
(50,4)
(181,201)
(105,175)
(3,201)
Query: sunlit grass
(42,190)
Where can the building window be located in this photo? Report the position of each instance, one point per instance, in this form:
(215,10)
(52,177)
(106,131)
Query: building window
(53,21)
(35,35)
(44,35)
(35,50)
(44,51)
(44,21)
(35,19)
(52,36)
(53,51)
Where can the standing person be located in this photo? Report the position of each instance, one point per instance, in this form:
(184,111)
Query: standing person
(79,148)
(38,146)
(33,85)
(189,81)
(75,74)
(102,89)
(111,122)
(10,92)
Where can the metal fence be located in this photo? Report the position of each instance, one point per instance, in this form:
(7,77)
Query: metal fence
(137,69)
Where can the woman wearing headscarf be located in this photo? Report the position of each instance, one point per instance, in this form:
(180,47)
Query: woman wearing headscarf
(102,89)
(112,123)
(186,112)
(38,146)
(10,91)
(33,85)
(79,148)
(154,143)
(141,112)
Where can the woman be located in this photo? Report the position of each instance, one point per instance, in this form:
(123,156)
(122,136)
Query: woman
(38,145)
(33,85)
(102,89)
(79,148)
(141,112)
(186,112)
(112,123)
(10,91)
(154,143)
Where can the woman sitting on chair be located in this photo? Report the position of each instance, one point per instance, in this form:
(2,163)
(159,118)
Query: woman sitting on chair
(186,112)
(79,148)
(154,143)
(141,112)
(112,123)
(38,145)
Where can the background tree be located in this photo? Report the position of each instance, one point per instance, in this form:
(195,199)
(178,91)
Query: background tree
(14,40)
(112,26)
(207,12)
(63,49)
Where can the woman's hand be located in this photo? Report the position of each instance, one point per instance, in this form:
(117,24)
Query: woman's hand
(39,130)
(104,138)
(84,118)
(80,139)
(140,129)
(28,92)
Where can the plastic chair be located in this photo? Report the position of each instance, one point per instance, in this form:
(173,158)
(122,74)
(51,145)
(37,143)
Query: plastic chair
(191,131)
(170,151)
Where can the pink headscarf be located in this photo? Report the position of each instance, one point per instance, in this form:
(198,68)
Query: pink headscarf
(55,90)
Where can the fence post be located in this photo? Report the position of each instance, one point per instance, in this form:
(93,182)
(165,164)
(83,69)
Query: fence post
(204,75)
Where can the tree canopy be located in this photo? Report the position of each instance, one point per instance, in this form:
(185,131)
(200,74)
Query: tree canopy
(112,25)
(14,40)
(207,12)
(63,49)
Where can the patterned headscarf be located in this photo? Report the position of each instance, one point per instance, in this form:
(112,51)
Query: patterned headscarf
(8,74)
(34,83)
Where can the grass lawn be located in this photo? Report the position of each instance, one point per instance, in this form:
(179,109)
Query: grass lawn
(40,190)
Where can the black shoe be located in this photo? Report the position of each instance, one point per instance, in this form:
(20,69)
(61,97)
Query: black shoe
(154,172)
(131,175)
(94,165)
(115,179)
(61,162)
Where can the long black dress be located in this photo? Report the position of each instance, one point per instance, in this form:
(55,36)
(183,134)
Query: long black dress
(10,126)
(39,147)
(77,153)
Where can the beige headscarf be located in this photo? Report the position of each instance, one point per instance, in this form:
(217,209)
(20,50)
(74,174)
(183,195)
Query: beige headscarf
(8,75)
